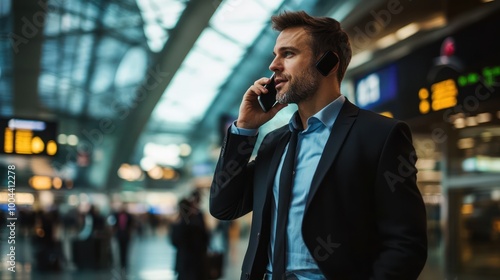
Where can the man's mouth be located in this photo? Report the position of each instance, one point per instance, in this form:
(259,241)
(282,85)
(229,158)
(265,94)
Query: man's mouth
(279,82)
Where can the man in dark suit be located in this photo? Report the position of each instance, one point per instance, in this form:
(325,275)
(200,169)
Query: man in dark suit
(190,237)
(353,209)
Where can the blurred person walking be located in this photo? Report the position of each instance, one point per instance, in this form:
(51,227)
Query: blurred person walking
(333,193)
(123,231)
(190,236)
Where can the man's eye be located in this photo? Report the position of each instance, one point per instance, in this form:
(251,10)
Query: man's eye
(287,54)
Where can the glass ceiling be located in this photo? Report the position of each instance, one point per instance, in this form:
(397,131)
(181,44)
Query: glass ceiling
(159,17)
(232,29)
(91,52)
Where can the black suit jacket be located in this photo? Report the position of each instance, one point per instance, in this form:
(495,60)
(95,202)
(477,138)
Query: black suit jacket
(364,216)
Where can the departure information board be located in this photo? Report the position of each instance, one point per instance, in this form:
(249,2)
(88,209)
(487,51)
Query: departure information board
(28,137)
(447,76)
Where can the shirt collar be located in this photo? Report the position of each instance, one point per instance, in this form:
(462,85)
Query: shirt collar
(326,116)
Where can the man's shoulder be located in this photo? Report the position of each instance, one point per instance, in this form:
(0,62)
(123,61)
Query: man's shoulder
(374,124)
(371,118)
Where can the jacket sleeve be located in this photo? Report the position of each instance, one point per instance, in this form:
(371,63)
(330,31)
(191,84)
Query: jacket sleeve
(231,193)
(400,210)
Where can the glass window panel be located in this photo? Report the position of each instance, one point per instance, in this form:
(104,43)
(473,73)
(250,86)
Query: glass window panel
(157,36)
(52,27)
(82,59)
(159,16)
(102,77)
(4,8)
(169,12)
(244,20)
(217,46)
(132,67)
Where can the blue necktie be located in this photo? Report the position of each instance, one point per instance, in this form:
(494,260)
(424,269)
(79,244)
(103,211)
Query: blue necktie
(285,191)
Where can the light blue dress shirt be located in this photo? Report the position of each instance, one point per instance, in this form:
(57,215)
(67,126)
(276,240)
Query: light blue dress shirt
(311,143)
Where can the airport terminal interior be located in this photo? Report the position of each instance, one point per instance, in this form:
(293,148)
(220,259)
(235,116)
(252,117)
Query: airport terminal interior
(114,111)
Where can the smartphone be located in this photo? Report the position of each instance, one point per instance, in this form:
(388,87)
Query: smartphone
(268,100)
(327,62)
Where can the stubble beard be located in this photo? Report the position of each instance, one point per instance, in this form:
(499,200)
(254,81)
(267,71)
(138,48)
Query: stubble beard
(302,88)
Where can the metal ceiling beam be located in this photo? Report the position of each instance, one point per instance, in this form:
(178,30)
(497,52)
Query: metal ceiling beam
(192,22)
(26,40)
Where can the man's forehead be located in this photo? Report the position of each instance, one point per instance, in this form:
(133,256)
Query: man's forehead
(293,37)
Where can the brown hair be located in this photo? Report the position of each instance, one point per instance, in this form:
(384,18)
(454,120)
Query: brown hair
(326,34)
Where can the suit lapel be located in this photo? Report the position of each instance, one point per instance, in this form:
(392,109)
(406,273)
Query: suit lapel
(276,158)
(267,192)
(339,132)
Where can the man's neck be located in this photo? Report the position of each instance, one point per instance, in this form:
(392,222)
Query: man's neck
(320,100)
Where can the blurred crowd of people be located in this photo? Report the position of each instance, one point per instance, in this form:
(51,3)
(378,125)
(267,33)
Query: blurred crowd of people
(89,238)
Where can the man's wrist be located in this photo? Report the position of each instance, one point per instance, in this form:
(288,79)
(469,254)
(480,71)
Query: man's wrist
(240,124)
(235,129)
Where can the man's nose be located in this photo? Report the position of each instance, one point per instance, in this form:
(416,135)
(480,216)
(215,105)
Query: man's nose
(276,65)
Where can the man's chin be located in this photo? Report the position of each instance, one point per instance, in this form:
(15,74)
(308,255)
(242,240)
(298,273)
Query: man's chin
(280,97)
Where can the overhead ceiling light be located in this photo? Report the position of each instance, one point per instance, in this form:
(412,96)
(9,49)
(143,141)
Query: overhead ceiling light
(483,117)
(40,182)
(407,31)
(169,174)
(156,173)
(465,143)
(21,198)
(459,123)
(163,154)
(435,22)
(72,140)
(387,41)
(185,150)
(130,172)
(147,163)
(57,183)
(471,121)
(62,139)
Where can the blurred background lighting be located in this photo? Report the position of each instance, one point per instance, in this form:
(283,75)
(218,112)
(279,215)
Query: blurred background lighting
(72,140)
(62,139)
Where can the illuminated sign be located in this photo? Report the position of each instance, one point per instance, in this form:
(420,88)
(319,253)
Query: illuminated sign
(28,137)
(445,94)
(377,88)
(439,77)
(489,75)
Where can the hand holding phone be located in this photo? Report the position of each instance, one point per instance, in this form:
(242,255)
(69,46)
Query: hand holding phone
(268,100)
